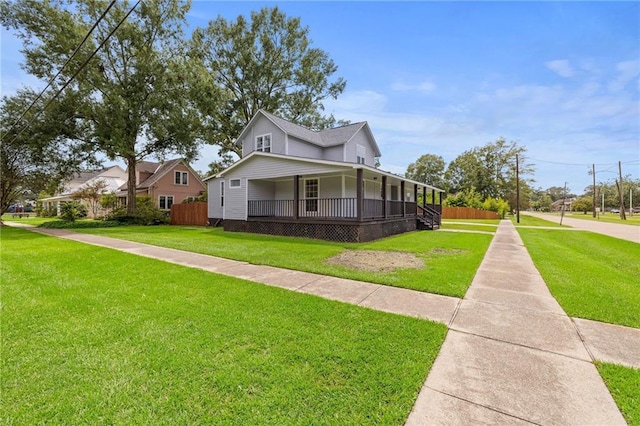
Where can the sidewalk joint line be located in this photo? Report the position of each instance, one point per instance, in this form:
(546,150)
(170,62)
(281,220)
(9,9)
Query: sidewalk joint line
(521,345)
(483,406)
(584,342)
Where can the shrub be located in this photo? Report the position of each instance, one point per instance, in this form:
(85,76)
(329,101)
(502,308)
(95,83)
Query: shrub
(146,214)
(72,210)
(61,224)
(499,206)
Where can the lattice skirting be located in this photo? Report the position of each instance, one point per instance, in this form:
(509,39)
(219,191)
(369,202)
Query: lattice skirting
(341,232)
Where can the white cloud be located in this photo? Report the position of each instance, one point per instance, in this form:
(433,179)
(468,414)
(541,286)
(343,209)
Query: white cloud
(627,72)
(560,67)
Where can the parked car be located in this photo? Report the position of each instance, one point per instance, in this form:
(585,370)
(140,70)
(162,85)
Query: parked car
(615,210)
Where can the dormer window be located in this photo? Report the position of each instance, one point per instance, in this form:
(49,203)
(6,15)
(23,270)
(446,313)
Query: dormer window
(361,152)
(263,143)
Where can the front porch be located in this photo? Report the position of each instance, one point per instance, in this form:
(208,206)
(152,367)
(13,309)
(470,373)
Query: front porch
(371,206)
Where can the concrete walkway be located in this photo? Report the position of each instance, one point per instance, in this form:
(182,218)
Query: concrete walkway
(617,230)
(511,355)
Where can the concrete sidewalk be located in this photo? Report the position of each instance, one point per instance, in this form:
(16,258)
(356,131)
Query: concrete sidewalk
(512,356)
(617,230)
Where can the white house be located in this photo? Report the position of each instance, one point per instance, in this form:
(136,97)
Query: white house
(111,177)
(318,184)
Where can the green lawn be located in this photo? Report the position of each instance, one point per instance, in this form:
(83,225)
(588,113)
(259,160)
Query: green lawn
(92,335)
(592,276)
(31,220)
(493,222)
(526,220)
(609,217)
(624,385)
(450,259)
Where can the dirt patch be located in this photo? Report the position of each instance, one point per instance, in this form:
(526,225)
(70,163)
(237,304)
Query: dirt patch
(439,250)
(376,261)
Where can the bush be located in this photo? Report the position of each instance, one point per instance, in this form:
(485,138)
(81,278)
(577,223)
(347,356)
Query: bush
(61,224)
(72,210)
(146,214)
(499,206)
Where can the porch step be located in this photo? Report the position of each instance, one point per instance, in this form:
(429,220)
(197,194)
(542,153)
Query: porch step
(425,224)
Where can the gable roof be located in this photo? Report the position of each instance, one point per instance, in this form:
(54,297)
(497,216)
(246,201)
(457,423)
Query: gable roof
(324,138)
(159,170)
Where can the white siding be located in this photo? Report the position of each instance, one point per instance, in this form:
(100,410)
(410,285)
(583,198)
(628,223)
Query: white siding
(263,126)
(298,148)
(372,190)
(360,138)
(213,195)
(331,187)
(284,190)
(262,190)
(262,167)
(235,199)
(334,153)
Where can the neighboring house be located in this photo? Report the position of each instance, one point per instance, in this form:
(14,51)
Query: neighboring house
(318,184)
(165,183)
(556,206)
(113,177)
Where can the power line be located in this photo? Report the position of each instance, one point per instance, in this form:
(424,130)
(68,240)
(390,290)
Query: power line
(84,64)
(581,164)
(113,2)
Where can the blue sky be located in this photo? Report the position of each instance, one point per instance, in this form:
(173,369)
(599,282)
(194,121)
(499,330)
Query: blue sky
(561,78)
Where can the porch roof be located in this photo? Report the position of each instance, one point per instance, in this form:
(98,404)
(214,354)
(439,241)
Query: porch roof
(339,165)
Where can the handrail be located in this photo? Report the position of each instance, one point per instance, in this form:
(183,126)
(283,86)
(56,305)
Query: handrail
(430,214)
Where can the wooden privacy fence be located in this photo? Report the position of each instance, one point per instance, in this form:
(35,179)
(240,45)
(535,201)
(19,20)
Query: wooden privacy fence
(189,214)
(467,213)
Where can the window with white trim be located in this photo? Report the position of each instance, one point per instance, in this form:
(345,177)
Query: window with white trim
(222,194)
(234,183)
(165,202)
(181,178)
(361,152)
(311,192)
(263,143)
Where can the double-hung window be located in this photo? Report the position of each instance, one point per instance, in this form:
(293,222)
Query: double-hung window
(311,195)
(263,143)
(181,178)
(361,152)
(165,202)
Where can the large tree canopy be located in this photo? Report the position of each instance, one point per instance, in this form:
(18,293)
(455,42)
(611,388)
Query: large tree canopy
(428,168)
(35,152)
(266,62)
(491,171)
(131,95)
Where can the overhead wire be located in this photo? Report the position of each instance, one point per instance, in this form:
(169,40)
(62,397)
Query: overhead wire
(75,52)
(84,64)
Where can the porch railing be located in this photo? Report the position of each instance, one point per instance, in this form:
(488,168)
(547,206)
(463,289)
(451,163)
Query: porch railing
(330,208)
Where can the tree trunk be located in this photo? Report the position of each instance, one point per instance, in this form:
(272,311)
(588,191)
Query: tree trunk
(131,185)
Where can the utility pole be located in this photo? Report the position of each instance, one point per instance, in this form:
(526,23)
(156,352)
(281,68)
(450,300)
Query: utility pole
(623,215)
(517,190)
(593,172)
(564,201)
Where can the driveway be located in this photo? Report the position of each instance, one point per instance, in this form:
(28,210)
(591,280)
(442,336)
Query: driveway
(617,230)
